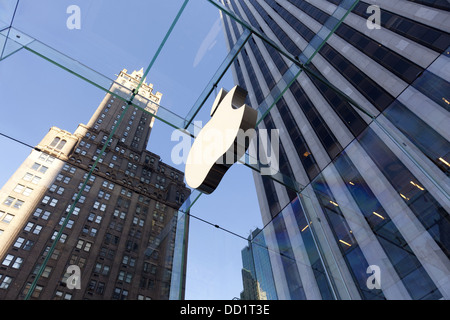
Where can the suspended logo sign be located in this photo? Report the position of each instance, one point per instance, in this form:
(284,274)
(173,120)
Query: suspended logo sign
(222,141)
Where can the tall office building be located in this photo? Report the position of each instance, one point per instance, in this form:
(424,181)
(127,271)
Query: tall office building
(119,231)
(372,218)
(257,277)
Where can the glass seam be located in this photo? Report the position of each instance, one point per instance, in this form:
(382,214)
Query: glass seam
(233,53)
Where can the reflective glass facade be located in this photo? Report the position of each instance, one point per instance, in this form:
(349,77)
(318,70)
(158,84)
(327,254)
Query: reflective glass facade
(372,159)
(362,188)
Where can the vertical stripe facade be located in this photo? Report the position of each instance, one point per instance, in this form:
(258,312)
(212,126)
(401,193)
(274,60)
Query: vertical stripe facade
(376,174)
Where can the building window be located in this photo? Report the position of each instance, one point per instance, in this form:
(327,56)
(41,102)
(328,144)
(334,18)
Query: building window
(38,167)
(69,224)
(125,276)
(112,239)
(120,294)
(61,145)
(80,244)
(28,227)
(39,213)
(103,269)
(76,210)
(35,180)
(129,261)
(62,239)
(107,253)
(5,282)
(87,187)
(138,221)
(91,178)
(8,259)
(46,215)
(89,231)
(94,218)
(62,178)
(108,185)
(28,245)
(92,284)
(19,242)
(46,157)
(18,204)
(70,169)
(19,188)
(55,142)
(8,218)
(60,190)
(46,199)
(80,200)
(86,246)
(27,191)
(59,295)
(37,290)
(45,273)
(28,177)
(37,230)
(100,288)
(9,201)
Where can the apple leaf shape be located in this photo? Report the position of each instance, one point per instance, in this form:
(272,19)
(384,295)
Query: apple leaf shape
(222,141)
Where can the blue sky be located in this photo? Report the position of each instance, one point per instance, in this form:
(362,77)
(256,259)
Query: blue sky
(37,95)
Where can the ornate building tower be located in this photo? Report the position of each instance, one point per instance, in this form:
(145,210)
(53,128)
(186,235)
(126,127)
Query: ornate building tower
(120,232)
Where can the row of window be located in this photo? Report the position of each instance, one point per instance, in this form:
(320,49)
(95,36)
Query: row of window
(12,261)
(425,35)
(39,167)
(130,170)
(13,202)
(5,282)
(22,243)
(34,179)
(100,268)
(21,189)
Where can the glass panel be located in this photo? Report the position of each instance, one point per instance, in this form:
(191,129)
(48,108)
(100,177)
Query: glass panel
(360,186)
(7,11)
(213,266)
(217,77)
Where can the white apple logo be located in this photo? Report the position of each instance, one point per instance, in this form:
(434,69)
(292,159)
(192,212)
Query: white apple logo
(222,141)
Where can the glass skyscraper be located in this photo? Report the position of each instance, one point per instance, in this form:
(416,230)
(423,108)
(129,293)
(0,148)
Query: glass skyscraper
(257,275)
(364,131)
